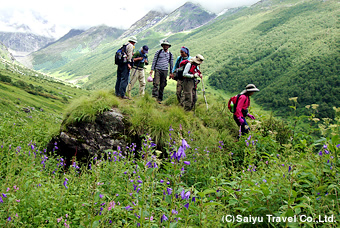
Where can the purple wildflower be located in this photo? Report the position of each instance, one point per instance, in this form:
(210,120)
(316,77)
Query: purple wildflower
(65,182)
(289,169)
(169,191)
(186,162)
(1,201)
(100,196)
(129,208)
(186,205)
(187,195)
(264,180)
(180,153)
(163,218)
(183,194)
(185,144)
(174,212)
(320,153)
(162,181)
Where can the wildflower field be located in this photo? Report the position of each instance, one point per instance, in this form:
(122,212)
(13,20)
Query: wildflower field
(202,176)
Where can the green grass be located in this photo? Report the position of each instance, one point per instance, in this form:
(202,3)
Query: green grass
(268,172)
(85,109)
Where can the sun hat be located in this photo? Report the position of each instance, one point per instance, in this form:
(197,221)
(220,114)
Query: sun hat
(165,42)
(250,88)
(145,49)
(133,39)
(197,59)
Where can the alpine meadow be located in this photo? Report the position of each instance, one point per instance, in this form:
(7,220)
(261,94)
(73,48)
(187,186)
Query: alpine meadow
(73,154)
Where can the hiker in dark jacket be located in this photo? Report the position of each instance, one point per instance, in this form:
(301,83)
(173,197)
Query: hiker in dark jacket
(123,69)
(160,65)
(179,89)
(191,74)
(243,104)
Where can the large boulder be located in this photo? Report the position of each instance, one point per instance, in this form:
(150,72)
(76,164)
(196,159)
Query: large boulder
(84,139)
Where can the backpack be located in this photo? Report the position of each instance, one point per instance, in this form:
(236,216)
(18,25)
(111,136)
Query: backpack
(120,56)
(178,73)
(232,103)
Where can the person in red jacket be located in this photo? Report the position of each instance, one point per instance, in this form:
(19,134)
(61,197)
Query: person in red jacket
(243,104)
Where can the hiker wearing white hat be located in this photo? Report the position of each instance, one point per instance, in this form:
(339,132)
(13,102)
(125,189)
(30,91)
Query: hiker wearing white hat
(124,68)
(242,105)
(160,65)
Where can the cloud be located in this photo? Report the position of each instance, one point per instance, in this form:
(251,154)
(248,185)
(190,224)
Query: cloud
(120,14)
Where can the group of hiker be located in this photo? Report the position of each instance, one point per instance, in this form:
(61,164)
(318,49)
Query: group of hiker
(185,71)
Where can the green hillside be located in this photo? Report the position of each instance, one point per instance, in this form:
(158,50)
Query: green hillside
(31,105)
(72,46)
(284,47)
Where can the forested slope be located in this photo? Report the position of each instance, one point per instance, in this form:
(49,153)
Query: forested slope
(293,52)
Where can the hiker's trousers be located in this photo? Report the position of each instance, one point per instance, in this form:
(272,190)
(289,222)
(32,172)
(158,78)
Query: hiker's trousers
(189,93)
(122,79)
(159,83)
(137,74)
(244,127)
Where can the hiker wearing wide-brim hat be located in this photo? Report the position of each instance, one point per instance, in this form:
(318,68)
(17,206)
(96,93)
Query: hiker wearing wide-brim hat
(198,59)
(132,39)
(250,88)
(242,105)
(165,42)
(191,73)
(123,69)
(162,61)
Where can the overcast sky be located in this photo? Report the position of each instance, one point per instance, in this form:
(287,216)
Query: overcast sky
(115,13)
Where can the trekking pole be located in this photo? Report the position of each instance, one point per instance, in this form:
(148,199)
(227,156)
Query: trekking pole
(205,99)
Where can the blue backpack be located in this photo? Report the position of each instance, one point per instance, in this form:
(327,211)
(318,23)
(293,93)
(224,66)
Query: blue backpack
(120,56)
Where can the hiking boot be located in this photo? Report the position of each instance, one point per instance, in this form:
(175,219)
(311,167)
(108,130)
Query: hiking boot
(125,97)
(159,102)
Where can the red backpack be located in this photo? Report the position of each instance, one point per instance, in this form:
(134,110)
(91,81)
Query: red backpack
(232,103)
